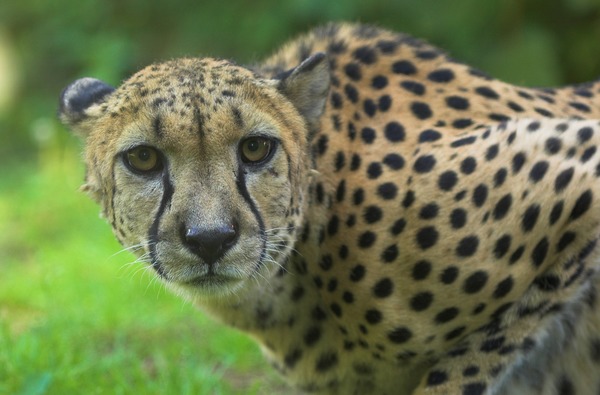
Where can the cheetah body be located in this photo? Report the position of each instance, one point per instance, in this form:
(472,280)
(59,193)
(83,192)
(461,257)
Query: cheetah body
(418,228)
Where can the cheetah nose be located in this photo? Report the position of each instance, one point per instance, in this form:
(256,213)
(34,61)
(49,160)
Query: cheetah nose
(210,244)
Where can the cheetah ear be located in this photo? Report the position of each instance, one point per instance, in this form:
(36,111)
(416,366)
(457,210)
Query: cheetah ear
(307,86)
(80,103)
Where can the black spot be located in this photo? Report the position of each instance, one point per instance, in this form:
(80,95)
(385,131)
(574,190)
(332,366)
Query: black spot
(517,162)
(326,361)
(398,227)
(449,275)
(421,301)
(332,226)
(429,136)
(502,246)
(583,203)
(357,273)
(468,165)
(336,309)
(379,82)
(427,237)
(292,358)
(502,207)
(447,180)
(322,144)
(530,217)
(565,386)
(588,154)
(580,106)
(470,371)
(404,67)
(441,75)
(474,389)
(467,246)
(358,196)
(366,239)
(595,350)
(457,102)
(517,254)
(553,145)
(454,333)
(367,135)
(384,103)
(429,211)
(464,141)
(556,212)
(387,190)
(492,152)
(436,377)
(538,171)
(475,282)
(386,46)
(424,164)
(312,336)
(462,123)
(458,218)
(365,54)
(340,161)
(533,126)
(539,252)
(409,199)
(351,93)
(400,335)
(383,288)
(297,293)
(348,297)
(373,316)
(446,315)
(515,107)
(394,161)
(500,177)
(372,214)
(374,170)
(355,162)
(390,254)
(421,110)
(340,192)
(352,70)
(421,270)
(326,262)
(566,239)
(336,100)
(370,107)
(503,287)
(486,92)
(480,194)
(394,132)
(492,344)
(413,87)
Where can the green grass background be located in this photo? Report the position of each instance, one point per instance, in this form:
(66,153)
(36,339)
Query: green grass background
(77,316)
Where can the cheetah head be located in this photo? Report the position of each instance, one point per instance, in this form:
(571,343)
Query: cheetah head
(200,165)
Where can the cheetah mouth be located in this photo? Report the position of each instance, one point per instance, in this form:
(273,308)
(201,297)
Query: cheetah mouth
(210,280)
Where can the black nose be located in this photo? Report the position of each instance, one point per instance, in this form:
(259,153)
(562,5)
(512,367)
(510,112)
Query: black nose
(209,243)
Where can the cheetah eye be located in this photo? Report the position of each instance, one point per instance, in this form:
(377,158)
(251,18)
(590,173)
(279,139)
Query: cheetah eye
(143,160)
(255,150)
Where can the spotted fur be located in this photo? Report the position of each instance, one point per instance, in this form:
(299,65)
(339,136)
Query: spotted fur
(419,227)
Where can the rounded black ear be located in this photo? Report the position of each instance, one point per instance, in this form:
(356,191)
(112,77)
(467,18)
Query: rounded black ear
(77,98)
(307,86)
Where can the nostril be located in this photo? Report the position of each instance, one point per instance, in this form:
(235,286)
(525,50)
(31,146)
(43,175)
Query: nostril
(210,243)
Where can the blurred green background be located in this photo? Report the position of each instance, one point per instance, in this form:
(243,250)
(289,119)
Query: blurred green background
(77,318)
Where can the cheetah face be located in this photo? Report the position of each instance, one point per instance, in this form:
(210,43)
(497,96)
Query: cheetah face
(200,165)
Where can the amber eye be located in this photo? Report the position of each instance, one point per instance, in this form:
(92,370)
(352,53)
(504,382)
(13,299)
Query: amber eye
(255,149)
(143,159)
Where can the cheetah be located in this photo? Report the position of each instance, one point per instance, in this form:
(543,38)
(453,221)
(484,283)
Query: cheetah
(379,217)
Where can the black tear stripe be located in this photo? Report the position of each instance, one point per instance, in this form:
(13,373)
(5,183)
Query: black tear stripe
(113,220)
(168,190)
(241,186)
